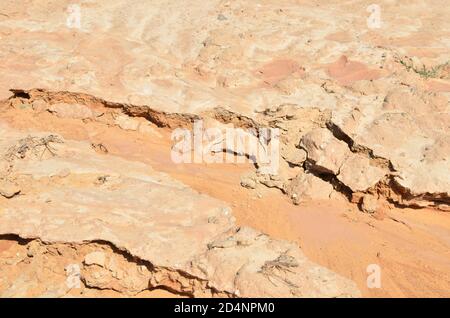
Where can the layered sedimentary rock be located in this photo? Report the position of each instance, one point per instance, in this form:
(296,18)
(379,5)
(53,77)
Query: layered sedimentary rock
(362,109)
(244,63)
(68,193)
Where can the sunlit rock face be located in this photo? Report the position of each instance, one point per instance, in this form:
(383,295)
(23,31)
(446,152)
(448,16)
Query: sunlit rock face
(359,91)
(376,67)
(67,193)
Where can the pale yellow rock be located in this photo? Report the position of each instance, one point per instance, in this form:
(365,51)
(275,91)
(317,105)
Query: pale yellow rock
(95,258)
(307,186)
(324,151)
(294,155)
(8,189)
(369,203)
(76,111)
(126,122)
(359,174)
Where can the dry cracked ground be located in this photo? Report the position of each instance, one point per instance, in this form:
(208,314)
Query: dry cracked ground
(92,205)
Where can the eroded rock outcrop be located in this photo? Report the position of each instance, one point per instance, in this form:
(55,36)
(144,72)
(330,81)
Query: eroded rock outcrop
(363,113)
(248,71)
(176,238)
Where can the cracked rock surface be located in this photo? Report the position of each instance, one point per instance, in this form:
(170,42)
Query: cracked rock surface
(363,115)
(253,67)
(179,239)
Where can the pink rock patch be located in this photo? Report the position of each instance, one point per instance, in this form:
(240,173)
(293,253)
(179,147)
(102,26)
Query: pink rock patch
(278,70)
(346,72)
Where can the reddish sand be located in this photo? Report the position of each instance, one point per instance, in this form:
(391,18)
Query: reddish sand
(410,246)
(347,72)
(277,70)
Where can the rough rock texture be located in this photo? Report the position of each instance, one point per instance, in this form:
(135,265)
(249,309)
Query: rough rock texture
(306,186)
(358,174)
(9,189)
(369,204)
(363,112)
(254,65)
(186,241)
(325,153)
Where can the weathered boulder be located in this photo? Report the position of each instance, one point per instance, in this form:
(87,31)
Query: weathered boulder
(325,153)
(359,174)
(308,187)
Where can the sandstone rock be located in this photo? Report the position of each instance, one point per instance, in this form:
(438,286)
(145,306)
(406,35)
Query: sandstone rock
(173,241)
(416,152)
(357,197)
(282,269)
(126,122)
(294,155)
(347,72)
(248,182)
(409,101)
(95,258)
(137,58)
(324,151)
(117,274)
(272,181)
(76,111)
(8,189)
(308,187)
(359,174)
(369,203)
(40,105)
(247,66)
(34,248)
